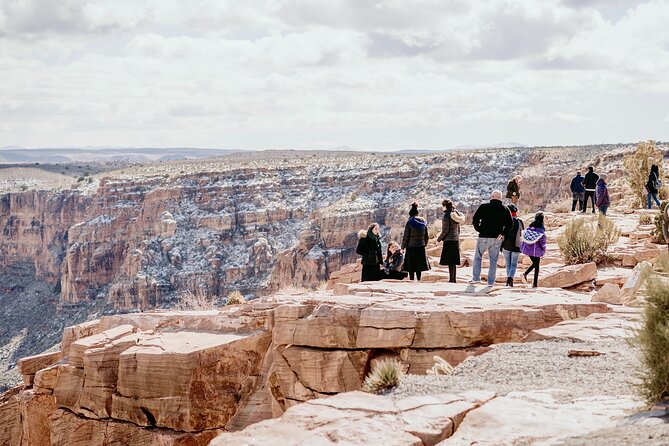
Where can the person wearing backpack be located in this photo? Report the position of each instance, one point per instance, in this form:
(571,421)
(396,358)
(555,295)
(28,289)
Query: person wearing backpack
(512,244)
(653,186)
(414,241)
(450,235)
(534,246)
(369,247)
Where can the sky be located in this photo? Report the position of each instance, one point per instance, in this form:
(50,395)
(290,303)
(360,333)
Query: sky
(306,74)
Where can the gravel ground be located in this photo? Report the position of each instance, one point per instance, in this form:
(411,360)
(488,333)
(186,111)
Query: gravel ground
(536,366)
(657,435)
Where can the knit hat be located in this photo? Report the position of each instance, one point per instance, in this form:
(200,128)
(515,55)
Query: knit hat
(414,209)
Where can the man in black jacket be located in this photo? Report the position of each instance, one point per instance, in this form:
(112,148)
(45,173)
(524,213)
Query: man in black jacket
(590,184)
(491,220)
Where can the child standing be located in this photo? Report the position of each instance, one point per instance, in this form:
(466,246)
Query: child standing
(534,246)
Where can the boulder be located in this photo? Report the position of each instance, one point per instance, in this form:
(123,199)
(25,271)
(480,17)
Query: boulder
(32,364)
(571,275)
(610,293)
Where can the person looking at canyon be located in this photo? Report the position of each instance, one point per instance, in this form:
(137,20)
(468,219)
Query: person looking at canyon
(534,246)
(512,244)
(603,200)
(653,186)
(577,192)
(392,267)
(414,241)
(450,235)
(492,220)
(513,189)
(369,247)
(590,185)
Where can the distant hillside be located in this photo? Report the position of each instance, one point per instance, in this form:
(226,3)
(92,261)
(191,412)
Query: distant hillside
(68,155)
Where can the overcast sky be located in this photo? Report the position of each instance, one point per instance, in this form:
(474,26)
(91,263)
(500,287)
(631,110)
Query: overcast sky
(382,74)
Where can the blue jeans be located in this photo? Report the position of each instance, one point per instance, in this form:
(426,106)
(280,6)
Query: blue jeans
(511,259)
(491,245)
(654,197)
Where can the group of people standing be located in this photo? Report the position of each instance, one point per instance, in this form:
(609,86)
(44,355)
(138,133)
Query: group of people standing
(591,188)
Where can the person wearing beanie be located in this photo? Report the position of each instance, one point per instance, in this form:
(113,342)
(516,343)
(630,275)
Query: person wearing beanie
(414,241)
(512,244)
(603,200)
(534,246)
(653,186)
(369,247)
(590,185)
(450,235)
(513,189)
(577,191)
(492,220)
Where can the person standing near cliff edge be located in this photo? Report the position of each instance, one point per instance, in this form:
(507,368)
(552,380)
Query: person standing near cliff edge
(450,235)
(369,247)
(577,192)
(603,200)
(414,242)
(513,189)
(491,220)
(590,185)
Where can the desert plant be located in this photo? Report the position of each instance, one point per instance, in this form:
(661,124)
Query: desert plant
(440,367)
(587,240)
(200,301)
(663,193)
(658,234)
(235,298)
(645,219)
(637,167)
(353,197)
(653,336)
(385,375)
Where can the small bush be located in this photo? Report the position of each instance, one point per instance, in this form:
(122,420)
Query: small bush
(658,233)
(190,301)
(353,197)
(653,336)
(645,219)
(385,375)
(587,240)
(663,193)
(235,298)
(440,367)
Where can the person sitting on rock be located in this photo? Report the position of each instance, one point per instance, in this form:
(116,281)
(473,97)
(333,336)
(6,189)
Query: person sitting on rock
(369,247)
(491,220)
(534,246)
(653,186)
(512,244)
(450,235)
(414,241)
(603,200)
(392,266)
(590,185)
(577,191)
(513,189)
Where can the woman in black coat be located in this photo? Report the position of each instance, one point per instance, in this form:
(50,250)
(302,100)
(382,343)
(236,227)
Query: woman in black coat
(653,186)
(392,267)
(369,247)
(414,242)
(450,235)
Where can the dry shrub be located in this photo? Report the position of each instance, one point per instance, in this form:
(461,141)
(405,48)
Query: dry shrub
(645,219)
(637,168)
(322,285)
(292,289)
(560,207)
(658,233)
(440,367)
(235,298)
(586,240)
(653,336)
(200,301)
(385,375)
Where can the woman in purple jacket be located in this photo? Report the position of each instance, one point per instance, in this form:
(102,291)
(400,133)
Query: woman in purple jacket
(603,200)
(534,246)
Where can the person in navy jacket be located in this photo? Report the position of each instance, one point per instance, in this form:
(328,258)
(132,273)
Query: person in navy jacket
(577,191)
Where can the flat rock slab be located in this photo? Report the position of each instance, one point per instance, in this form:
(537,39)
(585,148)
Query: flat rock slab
(616,275)
(596,327)
(356,418)
(538,416)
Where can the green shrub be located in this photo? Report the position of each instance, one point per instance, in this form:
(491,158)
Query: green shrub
(658,234)
(653,336)
(385,375)
(587,240)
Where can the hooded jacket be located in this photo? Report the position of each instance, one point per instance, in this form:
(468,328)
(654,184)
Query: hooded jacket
(534,242)
(369,247)
(450,226)
(492,219)
(602,194)
(415,233)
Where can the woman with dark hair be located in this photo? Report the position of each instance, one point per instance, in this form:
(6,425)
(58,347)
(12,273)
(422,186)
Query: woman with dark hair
(534,246)
(369,247)
(653,186)
(414,242)
(450,235)
(512,244)
(392,267)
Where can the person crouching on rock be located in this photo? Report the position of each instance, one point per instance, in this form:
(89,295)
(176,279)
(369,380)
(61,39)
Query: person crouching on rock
(534,246)
(450,235)
(369,247)
(392,267)
(511,245)
(414,242)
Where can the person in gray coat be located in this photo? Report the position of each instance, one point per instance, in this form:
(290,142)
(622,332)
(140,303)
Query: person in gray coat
(450,235)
